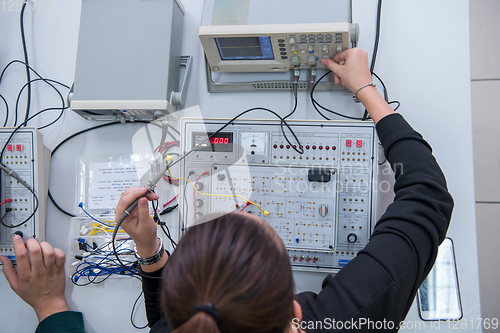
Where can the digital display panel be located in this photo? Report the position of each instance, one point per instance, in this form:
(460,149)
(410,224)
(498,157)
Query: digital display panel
(245,48)
(222,142)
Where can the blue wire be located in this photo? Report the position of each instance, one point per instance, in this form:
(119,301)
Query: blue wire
(89,270)
(93,218)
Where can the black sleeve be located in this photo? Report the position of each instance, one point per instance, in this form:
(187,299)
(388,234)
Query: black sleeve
(380,283)
(151,286)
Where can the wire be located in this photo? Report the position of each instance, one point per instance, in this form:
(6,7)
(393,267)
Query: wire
(133,310)
(225,196)
(48,82)
(171,200)
(71,137)
(25,52)
(37,74)
(232,120)
(93,218)
(375,50)
(316,104)
(6,111)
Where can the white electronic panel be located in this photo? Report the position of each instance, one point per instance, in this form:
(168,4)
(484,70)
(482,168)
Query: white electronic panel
(321,202)
(26,155)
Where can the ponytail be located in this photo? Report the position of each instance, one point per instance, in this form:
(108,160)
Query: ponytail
(200,322)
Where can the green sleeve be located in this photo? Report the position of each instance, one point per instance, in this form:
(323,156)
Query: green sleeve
(62,322)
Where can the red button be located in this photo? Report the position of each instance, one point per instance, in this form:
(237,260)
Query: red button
(281,146)
(275,146)
(333,147)
(307,147)
(287,146)
(314,147)
(320,147)
(326,147)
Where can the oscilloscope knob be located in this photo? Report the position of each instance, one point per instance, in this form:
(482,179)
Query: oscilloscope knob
(295,60)
(292,40)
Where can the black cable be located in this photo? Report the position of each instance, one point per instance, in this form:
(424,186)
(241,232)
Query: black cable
(133,310)
(71,137)
(375,47)
(232,120)
(168,209)
(6,111)
(377,36)
(18,127)
(40,77)
(25,51)
(28,85)
(397,107)
(316,104)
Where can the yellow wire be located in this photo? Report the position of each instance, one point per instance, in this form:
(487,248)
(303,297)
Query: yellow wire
(219,195)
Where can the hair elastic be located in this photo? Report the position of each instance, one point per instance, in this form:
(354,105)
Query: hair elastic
(208,309)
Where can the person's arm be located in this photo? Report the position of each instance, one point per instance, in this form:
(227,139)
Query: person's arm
(351,70)
(381,281)
(40,281)
(143,230)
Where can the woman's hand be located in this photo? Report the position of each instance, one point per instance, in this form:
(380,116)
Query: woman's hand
(39,279)
(350,68)
(139,224)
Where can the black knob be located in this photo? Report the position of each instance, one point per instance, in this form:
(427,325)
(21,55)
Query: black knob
(352,238)
(20,233)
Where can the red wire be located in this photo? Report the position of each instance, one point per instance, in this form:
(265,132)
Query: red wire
(171,200)
(6,200)
(247,204)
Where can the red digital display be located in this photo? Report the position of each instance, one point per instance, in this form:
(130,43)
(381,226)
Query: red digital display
(359,143)
(10,148)
(348,143)
(220,141)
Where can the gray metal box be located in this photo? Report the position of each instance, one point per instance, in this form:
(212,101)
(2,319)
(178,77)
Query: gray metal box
(129,58)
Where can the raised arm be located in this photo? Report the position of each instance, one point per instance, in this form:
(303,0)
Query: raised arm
(381,282)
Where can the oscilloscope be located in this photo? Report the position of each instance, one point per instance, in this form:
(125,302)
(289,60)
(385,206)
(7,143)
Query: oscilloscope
(274,47)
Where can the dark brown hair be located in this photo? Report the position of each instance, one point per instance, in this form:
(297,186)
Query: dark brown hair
(237,264)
